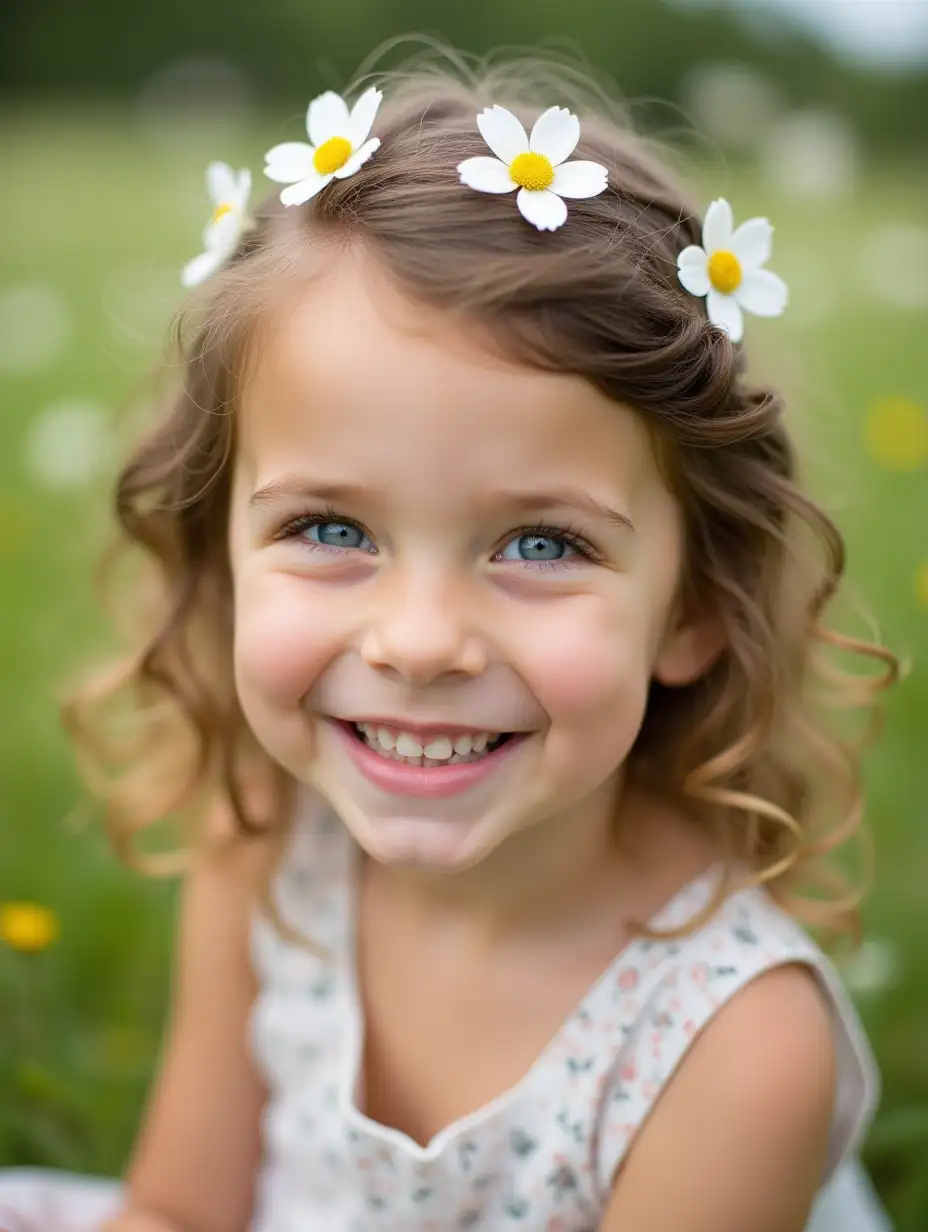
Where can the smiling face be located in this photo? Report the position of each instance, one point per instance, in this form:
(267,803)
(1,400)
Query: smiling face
(429,538)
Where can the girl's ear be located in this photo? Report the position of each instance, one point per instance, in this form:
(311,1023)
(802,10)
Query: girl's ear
(689,647)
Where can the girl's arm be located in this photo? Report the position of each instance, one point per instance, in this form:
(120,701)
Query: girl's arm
(739,1137)
(194,1165)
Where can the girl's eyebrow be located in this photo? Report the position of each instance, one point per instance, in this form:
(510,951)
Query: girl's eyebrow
(292,487)
(566,497)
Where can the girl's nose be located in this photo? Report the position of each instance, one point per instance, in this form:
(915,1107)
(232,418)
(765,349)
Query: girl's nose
(423,630)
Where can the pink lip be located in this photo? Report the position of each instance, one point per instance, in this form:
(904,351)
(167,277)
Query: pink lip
(432,781)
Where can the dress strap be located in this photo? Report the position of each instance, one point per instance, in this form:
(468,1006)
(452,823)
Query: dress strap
(747,937)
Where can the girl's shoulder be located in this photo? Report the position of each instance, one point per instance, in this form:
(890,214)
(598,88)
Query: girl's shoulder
(751,934)
(755,1103)
(748,970)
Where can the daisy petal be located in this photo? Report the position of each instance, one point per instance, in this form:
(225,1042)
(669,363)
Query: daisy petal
(544,210)
(503,133)
(752,243)
(296,194)
(200,268)
(692,255)
(224,232)
(555,134)
(717,226)
(289,162)
(695,278)
(579,179)
(220,182)
(358,158)
(762,293)
(362,117)
(243,188)
(487,175)
(725,313)
(327,116)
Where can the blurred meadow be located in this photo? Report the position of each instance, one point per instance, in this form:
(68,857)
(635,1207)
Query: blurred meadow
(103,202)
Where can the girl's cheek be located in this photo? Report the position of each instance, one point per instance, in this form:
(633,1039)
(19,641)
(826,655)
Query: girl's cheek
(575,677)
(598,698)
(594,686)
(281,645)
(587,664)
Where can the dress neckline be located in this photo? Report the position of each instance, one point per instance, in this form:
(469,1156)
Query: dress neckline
(680,906)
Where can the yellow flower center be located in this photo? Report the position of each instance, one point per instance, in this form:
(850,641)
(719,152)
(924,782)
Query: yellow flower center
(332,155)
(531,171)
(724,271)
(221,210)
(27,926)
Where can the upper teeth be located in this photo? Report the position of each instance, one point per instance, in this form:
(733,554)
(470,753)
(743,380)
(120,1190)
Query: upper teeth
(438,747)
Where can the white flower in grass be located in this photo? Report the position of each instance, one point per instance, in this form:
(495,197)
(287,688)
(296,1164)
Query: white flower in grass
(340,143)
(874,968)
(728,271)
(229,193)
(537,166)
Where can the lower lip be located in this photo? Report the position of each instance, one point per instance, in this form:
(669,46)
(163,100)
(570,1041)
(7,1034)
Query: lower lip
(401,779)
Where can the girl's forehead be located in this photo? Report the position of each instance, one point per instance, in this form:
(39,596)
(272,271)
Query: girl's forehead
(355,375)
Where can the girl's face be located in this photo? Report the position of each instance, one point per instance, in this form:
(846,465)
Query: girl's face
(441,545)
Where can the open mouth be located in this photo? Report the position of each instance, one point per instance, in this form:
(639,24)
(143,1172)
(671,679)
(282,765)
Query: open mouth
(434,750)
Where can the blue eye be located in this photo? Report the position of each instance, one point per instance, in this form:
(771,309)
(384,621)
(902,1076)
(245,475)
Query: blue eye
(336,534)
(326,531)
(539,547)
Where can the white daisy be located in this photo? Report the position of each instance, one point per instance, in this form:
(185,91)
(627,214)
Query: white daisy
(536,165)
(875,967)
(229,194)
(339,145)
(727,270)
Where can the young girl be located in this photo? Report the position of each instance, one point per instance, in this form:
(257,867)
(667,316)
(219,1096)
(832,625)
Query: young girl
(486,641)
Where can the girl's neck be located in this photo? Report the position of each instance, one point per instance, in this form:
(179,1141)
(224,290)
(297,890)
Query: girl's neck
(626,849)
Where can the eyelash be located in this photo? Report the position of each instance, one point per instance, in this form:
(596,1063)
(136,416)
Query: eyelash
(567,533)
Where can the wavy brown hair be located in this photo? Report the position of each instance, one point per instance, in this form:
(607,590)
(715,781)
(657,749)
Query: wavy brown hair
(755,746)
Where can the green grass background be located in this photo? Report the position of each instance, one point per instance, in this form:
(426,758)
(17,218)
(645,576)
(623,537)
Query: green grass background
(87,195)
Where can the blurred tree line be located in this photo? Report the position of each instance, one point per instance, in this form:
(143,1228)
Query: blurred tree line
(289,48)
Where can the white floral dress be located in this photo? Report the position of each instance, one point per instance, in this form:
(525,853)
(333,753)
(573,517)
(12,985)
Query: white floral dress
(540,1157)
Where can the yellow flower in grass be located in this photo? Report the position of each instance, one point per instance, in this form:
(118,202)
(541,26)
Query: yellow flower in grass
(921,583)
(896,433)
(27,926)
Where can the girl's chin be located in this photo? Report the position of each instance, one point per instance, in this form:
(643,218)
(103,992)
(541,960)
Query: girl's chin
(428,843)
